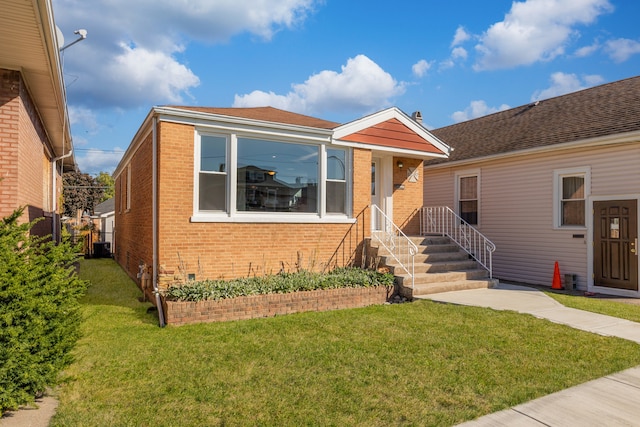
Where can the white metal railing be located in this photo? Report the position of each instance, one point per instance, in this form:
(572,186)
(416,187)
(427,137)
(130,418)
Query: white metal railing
(399,246)
(442,220)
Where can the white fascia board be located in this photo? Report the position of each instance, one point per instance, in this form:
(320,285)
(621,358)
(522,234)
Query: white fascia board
(391,150)
(388,114)
(242,125)
(615,139)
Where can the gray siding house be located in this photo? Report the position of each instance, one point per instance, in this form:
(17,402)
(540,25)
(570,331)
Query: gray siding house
(554,180)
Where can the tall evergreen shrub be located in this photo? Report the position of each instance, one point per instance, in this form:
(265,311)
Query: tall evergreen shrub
(39,311)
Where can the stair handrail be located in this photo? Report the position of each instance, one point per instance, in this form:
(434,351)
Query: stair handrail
(391,237)
(444,221)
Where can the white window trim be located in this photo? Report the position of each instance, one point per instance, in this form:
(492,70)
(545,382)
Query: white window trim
(128,201)
(456,190)
(558,174)
(233,215)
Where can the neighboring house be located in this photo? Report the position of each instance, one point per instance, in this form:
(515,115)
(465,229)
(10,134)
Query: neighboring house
(35,142)
(104,216)
(235,192)
(554,180)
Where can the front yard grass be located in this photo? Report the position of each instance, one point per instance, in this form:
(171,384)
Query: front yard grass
(421,363)
(597,305)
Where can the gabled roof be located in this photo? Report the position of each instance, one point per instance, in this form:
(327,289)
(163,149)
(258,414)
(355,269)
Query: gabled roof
(28,44)
(267,114)
(107,206)
(391,129)
(609,109)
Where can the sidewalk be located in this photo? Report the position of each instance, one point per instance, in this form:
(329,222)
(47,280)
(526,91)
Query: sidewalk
(611,400)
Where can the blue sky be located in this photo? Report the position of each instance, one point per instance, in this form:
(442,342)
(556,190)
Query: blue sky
(334,59)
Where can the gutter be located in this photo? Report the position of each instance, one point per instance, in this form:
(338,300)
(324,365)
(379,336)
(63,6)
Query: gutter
(54,193)
(154,220)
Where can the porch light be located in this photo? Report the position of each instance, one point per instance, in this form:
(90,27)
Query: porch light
(400,164)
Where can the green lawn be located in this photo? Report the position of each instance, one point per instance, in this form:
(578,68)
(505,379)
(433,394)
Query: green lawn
(408,364)
(596,305)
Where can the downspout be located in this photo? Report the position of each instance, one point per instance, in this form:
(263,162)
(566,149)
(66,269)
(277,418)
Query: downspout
(154,220)
(54,193)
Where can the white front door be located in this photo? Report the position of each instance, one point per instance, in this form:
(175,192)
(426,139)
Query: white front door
(381,189)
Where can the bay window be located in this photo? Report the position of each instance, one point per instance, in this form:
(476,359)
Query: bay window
(245,177)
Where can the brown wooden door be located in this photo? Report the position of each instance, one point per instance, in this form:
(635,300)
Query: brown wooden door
(615,252)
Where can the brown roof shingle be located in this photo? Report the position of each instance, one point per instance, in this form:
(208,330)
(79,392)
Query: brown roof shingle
(609,109)
(267,114)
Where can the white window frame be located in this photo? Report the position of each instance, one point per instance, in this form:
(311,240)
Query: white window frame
(128,201)
(558,175)
(233,215)
(456,192)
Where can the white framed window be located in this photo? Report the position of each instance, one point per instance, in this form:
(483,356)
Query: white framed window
(467,196)
(571,187)
(251,178)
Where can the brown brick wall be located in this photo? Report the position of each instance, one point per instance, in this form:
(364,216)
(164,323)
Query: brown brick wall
(228,250)
(407,201)
(24,158)
(133,227)
(9,112)
(181,313)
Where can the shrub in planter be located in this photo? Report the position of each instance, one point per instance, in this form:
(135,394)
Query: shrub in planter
(277,284)
(39,311)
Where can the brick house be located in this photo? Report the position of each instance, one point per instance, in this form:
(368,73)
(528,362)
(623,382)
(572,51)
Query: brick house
(35,141)
(234,192)
(554,180)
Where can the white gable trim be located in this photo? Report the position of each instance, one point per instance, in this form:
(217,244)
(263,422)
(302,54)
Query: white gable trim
(388,114)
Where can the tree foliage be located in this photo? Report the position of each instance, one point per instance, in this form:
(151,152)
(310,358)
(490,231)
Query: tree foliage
(108,184)
(39,311)
(80,191)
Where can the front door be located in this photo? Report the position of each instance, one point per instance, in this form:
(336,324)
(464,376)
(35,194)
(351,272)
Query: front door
(615,252)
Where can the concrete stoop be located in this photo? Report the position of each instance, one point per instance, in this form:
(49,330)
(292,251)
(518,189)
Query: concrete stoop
(440,266)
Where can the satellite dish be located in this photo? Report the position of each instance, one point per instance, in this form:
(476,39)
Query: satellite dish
(59,37)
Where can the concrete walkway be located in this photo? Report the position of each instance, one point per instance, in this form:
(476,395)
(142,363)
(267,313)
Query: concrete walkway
(612,400)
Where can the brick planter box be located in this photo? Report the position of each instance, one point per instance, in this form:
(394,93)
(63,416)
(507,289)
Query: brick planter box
(249,307)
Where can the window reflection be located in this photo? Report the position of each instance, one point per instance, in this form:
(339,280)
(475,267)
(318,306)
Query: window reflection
(276,176)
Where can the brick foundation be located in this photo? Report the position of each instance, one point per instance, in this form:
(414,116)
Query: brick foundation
(254,306)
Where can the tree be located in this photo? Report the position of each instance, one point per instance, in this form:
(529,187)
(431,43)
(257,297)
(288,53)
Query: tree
(81,192)
(108,184)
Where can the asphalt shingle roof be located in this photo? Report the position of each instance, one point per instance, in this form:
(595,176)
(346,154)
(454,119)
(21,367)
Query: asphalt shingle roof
(609,109)
(267,114)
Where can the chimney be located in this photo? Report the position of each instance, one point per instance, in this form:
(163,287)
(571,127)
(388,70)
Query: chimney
(417,116)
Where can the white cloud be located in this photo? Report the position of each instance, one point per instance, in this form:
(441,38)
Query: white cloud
(361,86)
(459,53)
(476,109)
(535,30)
(622,49)
(421,68)
(587,50)
(132,53)
(460,37)
(563,83)
(83,116)
(94,160)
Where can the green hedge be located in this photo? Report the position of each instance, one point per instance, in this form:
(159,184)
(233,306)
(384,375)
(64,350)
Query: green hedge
(277,284)
(39,311)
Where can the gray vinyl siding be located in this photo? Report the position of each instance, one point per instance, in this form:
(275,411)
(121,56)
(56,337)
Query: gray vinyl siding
(516,207)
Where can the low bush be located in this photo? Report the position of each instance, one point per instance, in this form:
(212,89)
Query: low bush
(277,284)
(39,311)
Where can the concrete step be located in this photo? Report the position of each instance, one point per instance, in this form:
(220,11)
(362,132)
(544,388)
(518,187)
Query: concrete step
(439,287)
(429,258)
(437,266)
(450,276)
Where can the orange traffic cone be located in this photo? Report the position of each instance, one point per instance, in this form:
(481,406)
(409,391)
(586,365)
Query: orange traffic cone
(556,277)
